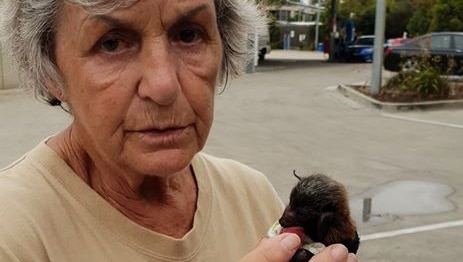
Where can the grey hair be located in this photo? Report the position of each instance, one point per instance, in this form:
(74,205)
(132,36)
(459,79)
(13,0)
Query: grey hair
(28,30)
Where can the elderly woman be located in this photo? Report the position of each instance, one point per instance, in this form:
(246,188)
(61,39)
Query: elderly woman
(126,181)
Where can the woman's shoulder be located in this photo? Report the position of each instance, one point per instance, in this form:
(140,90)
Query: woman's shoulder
(233,176)
(244,188)
(25,187)
(24,174)
(228,168)
(24,196)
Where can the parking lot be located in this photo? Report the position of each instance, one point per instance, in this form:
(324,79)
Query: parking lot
(289,116)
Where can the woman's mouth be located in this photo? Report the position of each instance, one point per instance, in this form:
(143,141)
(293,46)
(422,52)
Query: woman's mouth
(163,137)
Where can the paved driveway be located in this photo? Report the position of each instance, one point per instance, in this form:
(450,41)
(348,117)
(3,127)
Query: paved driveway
(288,116)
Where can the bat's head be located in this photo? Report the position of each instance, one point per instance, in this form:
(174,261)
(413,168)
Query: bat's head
(319,204)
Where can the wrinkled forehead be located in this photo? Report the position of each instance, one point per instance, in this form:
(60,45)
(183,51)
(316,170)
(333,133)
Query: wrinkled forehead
(106,6)
(103,6)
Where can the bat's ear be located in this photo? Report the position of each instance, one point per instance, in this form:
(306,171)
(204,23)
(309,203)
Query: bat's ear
(298,177)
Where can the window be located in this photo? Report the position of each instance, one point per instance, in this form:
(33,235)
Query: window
(458,39)
(365,41)
(440,42)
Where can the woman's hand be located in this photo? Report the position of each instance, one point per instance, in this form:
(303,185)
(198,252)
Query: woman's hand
(334,253)
(282,247)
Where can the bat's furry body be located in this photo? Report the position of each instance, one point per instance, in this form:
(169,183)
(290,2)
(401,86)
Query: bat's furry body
(320,206)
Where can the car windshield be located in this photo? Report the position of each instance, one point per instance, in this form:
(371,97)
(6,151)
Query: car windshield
(365,41)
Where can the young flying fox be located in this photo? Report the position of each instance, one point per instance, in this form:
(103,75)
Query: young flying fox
(318,212)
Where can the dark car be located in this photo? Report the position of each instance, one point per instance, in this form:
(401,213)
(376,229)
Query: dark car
(443,50)
(361,49)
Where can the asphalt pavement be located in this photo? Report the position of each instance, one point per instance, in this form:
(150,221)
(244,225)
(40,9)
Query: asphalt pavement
(288,116)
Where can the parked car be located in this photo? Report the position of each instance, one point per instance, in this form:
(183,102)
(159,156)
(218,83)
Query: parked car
(396,41)
(361,49)
(444,50)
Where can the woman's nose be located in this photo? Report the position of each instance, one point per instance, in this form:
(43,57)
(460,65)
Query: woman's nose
(159,81)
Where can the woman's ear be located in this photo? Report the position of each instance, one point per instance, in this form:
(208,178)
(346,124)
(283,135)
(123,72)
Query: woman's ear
(56,91)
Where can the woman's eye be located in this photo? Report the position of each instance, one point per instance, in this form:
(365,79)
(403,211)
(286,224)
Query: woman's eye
(189,36)
(110,45)
(114,44)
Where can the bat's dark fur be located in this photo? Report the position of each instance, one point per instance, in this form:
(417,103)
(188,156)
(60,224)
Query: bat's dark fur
(320,205)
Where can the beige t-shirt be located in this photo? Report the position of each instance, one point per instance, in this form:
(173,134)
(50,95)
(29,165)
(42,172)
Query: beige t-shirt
(47,213)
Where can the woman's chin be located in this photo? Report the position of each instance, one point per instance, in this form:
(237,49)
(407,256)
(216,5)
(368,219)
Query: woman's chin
(161,163)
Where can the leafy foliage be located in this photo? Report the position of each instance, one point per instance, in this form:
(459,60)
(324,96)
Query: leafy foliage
(420,22)
(424,79)
(416,17)
(447,16)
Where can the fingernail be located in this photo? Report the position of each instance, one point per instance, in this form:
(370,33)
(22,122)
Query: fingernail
(352,257)
(339,252)
(291,242)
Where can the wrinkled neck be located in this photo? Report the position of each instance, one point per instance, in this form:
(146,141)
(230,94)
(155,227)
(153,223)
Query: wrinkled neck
(165,204)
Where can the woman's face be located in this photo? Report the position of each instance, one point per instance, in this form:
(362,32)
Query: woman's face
(140,82)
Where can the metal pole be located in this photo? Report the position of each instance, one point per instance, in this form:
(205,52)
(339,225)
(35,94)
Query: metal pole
(317,25)
(380,26)
(256,47)
(366,209)
(333,30)
(2,86)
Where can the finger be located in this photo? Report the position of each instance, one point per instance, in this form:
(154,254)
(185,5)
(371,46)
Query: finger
(352,258)
(260,241)
(333,253)
(276,249)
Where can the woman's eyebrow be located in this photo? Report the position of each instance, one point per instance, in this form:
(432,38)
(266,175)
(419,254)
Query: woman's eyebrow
(111,21)
(193,12)
(114,22)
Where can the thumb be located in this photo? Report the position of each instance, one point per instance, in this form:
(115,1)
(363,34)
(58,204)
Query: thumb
(276,249)
(334,253)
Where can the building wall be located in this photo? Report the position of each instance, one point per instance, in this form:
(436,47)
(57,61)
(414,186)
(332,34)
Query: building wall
(295,25)
(8,72)
(294,36)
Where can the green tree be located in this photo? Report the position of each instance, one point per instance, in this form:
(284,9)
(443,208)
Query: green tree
(420,20)
(447,15)
(398,14)
(362,10)
(412,16)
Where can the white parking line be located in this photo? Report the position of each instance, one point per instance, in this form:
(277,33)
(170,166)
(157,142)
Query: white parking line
(422,121)
(411,230)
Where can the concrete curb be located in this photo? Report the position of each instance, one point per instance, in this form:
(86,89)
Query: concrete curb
(387,106)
